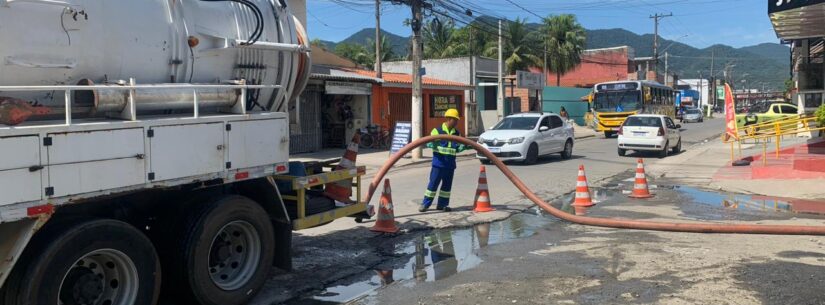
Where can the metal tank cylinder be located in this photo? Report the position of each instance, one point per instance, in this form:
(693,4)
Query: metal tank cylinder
(150,99)
(58,42)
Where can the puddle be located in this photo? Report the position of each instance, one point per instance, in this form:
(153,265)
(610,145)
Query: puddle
(431,257)
(751,203)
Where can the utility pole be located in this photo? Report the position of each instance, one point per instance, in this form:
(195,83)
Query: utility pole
(666,76)
(417,95)
(656,19)
(378,39)
(500,100)
(712,78)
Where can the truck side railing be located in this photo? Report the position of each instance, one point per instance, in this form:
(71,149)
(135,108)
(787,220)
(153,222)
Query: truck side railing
(130,110)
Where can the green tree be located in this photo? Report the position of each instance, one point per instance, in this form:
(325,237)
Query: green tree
(355,52)
(318,43)
(470,41)
(519,50)
(438,38)
(386,51)
(565,39)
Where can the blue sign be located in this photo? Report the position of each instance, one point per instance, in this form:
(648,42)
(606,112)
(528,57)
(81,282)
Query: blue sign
(401,136)
(619,108)
(678,99)
(422,71)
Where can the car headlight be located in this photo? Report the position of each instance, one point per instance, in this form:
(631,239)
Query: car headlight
(480,140)
(516,140)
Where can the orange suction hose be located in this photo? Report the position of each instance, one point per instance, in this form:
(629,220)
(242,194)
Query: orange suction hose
(596,221)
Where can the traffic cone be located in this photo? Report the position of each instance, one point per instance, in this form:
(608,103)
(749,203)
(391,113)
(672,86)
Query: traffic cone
(640,189)
(341,191)
(482,200)
(385,222)
(582,190)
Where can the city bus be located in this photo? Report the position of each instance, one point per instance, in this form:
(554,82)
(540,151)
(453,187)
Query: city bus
(613,102)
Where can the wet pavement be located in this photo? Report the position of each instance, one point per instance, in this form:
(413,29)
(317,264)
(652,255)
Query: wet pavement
(426,257)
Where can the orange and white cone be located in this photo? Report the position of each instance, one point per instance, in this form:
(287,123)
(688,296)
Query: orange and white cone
(482,200)
(385,221)
(640,189)
(341,191)
(582,190)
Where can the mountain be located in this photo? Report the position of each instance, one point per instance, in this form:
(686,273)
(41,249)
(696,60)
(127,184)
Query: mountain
(399,43)
(766,63)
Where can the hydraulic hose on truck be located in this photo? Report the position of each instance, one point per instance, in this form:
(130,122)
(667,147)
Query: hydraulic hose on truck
(620,223)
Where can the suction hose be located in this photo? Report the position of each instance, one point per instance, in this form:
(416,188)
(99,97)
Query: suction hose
(596,221)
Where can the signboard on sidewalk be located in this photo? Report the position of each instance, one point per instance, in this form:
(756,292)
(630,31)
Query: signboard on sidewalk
(402,134)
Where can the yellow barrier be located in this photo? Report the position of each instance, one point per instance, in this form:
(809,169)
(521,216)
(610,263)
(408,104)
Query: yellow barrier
(775,129)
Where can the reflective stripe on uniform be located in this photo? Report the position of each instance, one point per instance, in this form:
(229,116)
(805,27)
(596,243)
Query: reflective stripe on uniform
(444,194)
(429,194)
(446,151)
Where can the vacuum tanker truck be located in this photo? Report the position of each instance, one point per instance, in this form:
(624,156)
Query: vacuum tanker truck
(141,147)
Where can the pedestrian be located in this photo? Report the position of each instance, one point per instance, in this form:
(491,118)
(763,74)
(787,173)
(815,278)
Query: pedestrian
(564,115)
(443,166)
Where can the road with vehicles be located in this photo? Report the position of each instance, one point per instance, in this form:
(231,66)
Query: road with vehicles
(335,252)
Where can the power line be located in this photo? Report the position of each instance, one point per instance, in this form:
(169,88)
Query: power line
(524,9)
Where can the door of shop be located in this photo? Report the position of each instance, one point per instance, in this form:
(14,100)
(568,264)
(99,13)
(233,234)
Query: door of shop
(400,108)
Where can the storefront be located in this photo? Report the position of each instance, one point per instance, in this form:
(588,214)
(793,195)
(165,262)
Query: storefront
(333,107)
(393,100)
(801,24)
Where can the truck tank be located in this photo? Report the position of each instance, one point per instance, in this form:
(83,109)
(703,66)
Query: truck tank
(69,42)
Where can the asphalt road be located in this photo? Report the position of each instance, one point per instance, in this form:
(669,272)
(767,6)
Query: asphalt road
(325,255)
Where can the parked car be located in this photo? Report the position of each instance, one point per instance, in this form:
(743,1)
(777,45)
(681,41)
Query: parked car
(649,132)
(693,115)
(765,112)
(528,136)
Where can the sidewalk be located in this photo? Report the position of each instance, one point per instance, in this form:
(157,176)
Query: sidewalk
(373,159)
(707,165)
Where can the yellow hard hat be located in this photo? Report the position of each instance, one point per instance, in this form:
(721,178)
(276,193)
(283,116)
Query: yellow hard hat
(452,113)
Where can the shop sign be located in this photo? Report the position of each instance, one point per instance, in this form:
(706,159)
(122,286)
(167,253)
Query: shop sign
(529,80)
(348,88)
(401,136)
(440,103)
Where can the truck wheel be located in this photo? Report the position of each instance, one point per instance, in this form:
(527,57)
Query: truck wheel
(88,262)
(224,254)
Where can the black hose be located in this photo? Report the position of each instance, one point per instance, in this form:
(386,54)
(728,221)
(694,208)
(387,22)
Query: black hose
(259,19)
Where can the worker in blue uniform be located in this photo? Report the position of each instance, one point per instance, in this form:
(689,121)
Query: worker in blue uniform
(443,168)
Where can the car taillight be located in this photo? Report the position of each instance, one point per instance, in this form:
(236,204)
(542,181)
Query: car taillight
(661,131)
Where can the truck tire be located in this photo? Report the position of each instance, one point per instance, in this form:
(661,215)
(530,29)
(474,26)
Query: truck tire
(223,255)
(86,262)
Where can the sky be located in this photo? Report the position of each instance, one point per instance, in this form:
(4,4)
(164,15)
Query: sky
(699,23)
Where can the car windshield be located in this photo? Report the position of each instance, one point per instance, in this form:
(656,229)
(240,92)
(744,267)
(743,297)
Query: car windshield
(616,101)
(640,121)
(517,123)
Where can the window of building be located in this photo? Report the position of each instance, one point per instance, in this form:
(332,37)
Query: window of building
(490,98)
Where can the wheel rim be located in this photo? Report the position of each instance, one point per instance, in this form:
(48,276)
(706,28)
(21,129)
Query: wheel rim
(568,148)
(101,277)
(234,255)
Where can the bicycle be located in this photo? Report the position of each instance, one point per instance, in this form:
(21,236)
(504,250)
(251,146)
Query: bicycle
(374,136)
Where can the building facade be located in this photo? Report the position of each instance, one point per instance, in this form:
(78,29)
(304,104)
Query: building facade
(600,65)
(801,24)
(479,72)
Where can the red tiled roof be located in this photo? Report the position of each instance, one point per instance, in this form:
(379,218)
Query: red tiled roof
(401,78)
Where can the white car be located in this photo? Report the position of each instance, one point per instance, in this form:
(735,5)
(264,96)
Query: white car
(528,136)
(650,132)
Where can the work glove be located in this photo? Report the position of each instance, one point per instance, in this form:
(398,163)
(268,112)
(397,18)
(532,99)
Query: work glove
(431,145)
(461,147)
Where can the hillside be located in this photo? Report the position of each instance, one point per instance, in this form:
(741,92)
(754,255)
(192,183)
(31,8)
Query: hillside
(399,43)
(766,63)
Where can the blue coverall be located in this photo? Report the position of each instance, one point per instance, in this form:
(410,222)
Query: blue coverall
(443,168)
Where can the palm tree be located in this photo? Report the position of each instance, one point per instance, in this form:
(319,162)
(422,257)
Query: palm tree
(438,38)
(387,54)
(518,47)
(565,39)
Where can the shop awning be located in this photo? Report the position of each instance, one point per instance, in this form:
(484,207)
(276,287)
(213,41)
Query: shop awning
(337,74)
(797,19)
